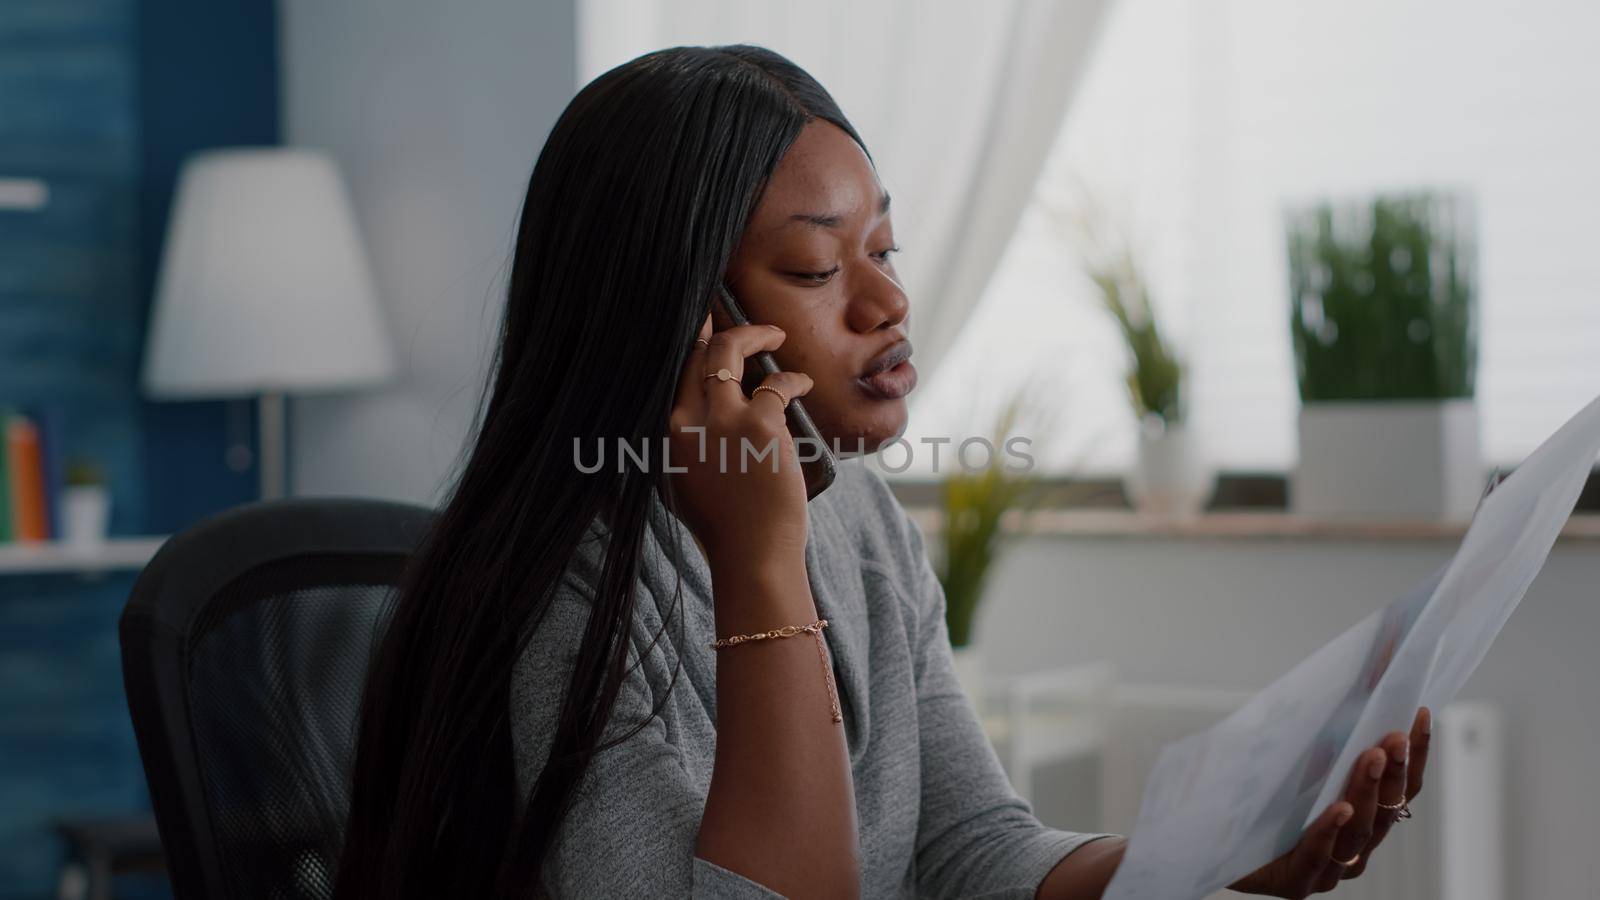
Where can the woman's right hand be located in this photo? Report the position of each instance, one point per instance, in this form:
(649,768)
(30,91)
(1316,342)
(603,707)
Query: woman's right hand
(758,515)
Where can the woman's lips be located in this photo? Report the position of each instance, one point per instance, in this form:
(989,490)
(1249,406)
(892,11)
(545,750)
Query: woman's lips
(892,383)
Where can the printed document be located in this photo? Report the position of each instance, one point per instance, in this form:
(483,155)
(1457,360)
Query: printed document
(1224,802)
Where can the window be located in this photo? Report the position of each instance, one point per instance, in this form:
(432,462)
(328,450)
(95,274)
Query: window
(1198,119)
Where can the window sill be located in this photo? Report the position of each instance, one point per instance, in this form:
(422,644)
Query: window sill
(1100,523)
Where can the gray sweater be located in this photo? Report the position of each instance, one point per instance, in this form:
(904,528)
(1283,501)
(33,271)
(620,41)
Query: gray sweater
(936,815)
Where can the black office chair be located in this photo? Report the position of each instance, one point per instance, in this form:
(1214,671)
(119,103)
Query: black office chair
(244,653)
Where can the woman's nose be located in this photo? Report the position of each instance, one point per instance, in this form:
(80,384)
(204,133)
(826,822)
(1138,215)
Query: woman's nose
(880,303)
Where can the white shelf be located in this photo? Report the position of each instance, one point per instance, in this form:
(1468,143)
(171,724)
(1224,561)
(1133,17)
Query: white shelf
(1098,523)
(116,554)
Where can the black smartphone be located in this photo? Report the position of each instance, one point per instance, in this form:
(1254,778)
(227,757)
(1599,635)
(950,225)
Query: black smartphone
(819,472)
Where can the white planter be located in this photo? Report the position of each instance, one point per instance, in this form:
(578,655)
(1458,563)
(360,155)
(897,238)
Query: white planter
(969,671)
(85,515)
(1171,477)
(1389,460)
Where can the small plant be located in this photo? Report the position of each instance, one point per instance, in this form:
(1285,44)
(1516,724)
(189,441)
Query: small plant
(84,473)
(1155,374)
(1383,297)
(974,503)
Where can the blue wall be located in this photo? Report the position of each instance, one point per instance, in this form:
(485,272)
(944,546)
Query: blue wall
(103,99)
(208,77)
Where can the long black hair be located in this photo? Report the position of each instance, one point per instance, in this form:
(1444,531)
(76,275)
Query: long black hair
(636,204)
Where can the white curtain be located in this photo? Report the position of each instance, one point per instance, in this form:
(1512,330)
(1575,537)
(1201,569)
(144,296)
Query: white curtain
(959,103)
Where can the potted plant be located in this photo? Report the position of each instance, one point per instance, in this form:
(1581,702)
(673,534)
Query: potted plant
(1168,477)
(971,540)
(1383,316)
(85,504)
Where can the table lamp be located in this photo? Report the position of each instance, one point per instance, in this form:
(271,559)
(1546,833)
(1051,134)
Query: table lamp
(264,290)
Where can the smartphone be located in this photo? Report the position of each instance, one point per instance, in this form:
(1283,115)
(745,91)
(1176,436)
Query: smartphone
(819,472)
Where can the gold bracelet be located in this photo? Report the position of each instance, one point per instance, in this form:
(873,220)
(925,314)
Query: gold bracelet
(785,631)
(815,629)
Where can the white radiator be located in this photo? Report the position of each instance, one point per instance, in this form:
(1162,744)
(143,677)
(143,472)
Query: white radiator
(1452,850)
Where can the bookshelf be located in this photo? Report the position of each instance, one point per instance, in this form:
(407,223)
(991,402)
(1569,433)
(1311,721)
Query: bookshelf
(115,554)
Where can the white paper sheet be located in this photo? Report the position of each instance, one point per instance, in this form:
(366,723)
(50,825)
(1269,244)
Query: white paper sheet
(1222,803)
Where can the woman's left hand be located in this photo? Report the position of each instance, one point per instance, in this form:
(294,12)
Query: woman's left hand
(1340,842)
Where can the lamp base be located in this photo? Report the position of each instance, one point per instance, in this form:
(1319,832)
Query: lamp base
(271,412)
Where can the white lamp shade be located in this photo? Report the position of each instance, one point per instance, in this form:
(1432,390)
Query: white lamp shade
(264,285)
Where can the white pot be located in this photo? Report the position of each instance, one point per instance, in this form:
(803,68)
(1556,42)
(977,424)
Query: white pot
(1389,460)
(969,671)
(85,515)
(1170,478)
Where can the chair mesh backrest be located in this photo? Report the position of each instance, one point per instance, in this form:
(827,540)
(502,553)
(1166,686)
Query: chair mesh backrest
(245,646)
(276,669)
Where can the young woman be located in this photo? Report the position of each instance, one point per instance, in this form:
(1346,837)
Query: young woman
(546,710)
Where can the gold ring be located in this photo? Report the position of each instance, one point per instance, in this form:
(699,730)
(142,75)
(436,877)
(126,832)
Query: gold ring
(1347,863)
(720,375)
(784,400)
(1402,810)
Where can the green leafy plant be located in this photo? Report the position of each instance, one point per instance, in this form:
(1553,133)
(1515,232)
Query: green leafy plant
(84,473)
(1384,297)
(975,500)
(1154,376)
(1155,373)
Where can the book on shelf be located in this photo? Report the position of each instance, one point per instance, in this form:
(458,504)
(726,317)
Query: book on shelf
(30,475)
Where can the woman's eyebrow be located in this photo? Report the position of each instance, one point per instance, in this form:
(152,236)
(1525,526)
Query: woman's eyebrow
(832,220)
